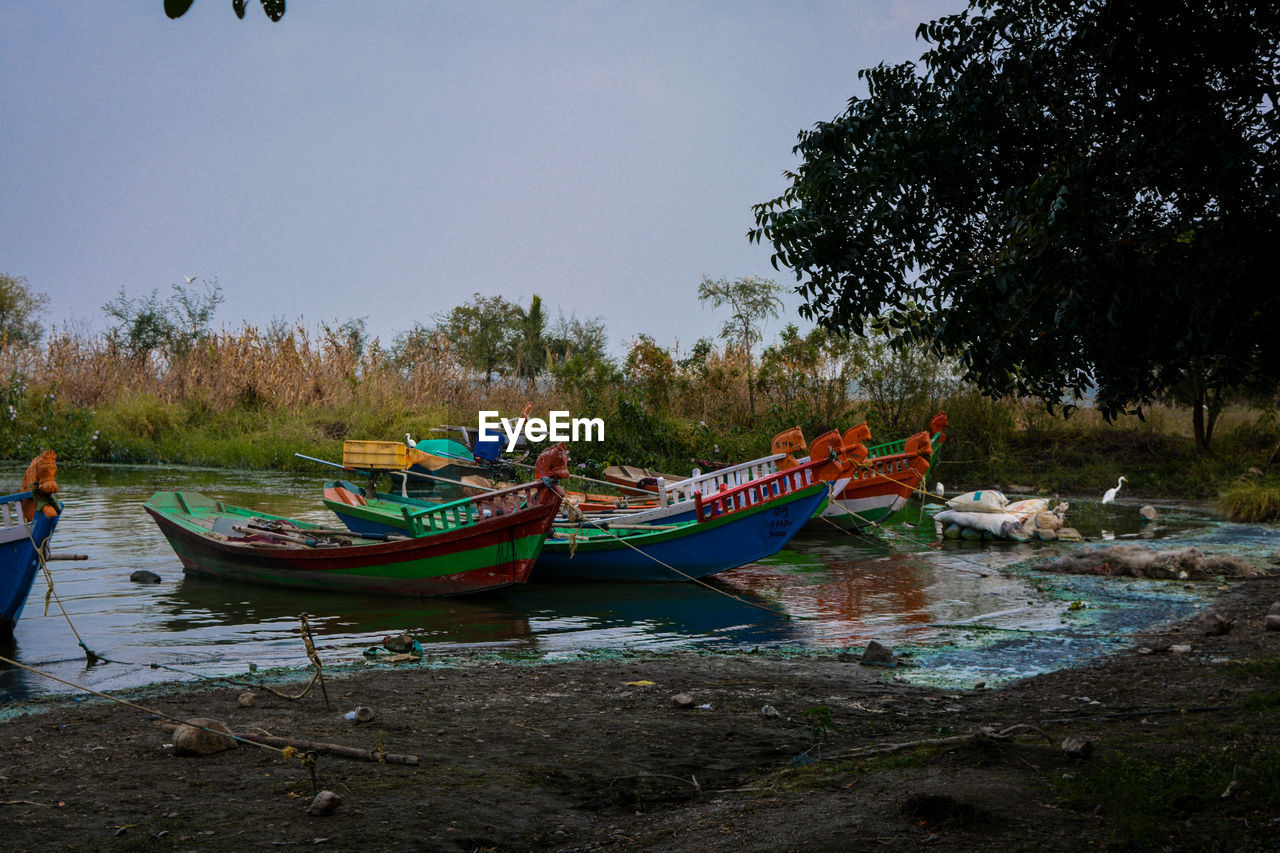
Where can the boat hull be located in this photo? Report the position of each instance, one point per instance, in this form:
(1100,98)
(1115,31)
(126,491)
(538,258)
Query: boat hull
(688,552)
(874,492)
(685,551)
(491,554)
(19,557)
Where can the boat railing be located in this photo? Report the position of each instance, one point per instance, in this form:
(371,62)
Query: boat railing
(712,481)
(472,510)
(894,448)
(756,492)
(11,510)
(882,466)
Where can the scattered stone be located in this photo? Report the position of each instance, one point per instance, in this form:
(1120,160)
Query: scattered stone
(770,711)
(1145,651)
(398,643)
(981,685)
(1232,789)
(1069,534)
(1180,648)
(248,699)
(682,700)
(878,654)
(1274,609)
(325,803)
(1215,624)
(1273,623)
(1077,747)
(144,576)
(202,736)
(1148,512)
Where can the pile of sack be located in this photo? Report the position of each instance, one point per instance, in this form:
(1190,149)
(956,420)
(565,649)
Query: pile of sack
(988,514)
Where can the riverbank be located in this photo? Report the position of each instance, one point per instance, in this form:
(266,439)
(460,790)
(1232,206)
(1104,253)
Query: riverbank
(689,752)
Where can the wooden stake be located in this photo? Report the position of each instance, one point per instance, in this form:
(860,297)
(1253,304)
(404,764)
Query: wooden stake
(330,748)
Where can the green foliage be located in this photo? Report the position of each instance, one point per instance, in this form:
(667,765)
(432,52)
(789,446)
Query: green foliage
(809,375)
(18,310)
(1140,796)
(820,718)
(172,327)
(904,385)
(530,352)
(649,369)
(1074,200)
(751,301)
(1251,502)
(33,419)
(484,333)
(418,349)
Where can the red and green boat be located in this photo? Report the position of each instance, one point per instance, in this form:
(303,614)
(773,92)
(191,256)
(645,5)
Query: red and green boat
(470,545)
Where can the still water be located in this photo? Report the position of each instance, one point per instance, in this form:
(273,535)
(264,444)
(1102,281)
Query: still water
(962,611)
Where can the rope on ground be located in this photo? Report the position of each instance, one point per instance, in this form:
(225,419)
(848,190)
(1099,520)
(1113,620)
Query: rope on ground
(285,752)
(674,570)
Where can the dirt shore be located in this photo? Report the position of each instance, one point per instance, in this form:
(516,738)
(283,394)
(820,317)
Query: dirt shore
(1181,752)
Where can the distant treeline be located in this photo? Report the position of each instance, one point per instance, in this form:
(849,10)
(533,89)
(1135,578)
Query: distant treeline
(161,385)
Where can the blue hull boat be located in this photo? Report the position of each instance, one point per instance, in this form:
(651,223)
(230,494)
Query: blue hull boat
(729,529)
(21,543)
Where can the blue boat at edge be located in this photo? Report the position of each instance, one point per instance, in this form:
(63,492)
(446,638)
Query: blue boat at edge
(21,542)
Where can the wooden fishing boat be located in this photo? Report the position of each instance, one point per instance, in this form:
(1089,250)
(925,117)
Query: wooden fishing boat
(730,528)
(464,546)
(879,479)
(27,522)
(868,484)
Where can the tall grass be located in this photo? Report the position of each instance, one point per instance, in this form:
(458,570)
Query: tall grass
(254,397)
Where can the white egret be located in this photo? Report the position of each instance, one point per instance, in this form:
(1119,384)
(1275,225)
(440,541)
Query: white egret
(409,440)
(190,279)
(937,488)
(1111,493)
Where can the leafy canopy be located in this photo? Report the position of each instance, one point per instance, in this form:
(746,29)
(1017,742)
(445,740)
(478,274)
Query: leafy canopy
(19,309)
(1070,198)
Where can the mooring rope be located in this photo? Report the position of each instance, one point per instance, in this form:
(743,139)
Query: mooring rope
(92,656)
(868,523)
(559,491)
(288,752)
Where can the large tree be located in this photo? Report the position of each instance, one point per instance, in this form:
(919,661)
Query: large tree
(1073,199)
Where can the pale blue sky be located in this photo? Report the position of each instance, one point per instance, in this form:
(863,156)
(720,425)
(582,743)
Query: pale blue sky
(386,160)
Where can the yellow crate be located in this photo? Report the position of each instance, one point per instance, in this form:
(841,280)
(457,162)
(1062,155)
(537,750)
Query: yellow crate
(380,455)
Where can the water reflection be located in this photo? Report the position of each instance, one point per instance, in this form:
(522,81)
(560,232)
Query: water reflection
(829,589)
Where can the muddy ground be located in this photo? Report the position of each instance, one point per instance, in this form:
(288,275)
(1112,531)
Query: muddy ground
(597,756)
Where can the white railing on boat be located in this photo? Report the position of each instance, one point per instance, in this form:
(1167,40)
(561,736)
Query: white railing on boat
(12,525)
(712,481)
